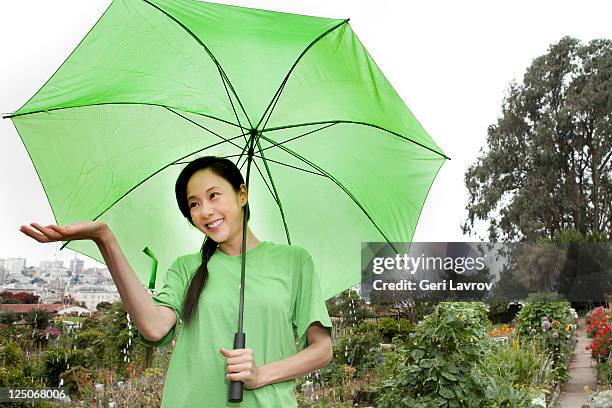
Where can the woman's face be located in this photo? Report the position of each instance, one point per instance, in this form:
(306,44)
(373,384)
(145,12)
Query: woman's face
(215,207)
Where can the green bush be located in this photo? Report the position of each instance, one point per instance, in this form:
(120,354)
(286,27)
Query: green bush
(38,319)
(8,317)
(359,349)
(540,305)
(56,360)
(438,360)
(11,364)
(509,372)
(73,376)
(604,373)
(88,338)
(390,328)
(501,312)
(543,321)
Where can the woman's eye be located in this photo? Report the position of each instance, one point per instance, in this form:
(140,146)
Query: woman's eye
(191,205)
(213,195)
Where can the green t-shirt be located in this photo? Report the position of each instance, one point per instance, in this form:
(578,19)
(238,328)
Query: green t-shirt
(281,292)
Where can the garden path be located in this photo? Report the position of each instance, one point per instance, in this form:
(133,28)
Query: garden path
(581,371)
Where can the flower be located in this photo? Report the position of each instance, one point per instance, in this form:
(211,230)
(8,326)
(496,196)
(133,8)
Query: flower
(52,331)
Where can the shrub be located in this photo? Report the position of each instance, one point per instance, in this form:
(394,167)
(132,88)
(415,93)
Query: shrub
(546,322)
(538,306)
(502,312)
(8,317)
(604,373)
(38,319)
(360,348)
(600,329)
(390,328)
(509,372)
(11,364)
(56,360)
(438,360)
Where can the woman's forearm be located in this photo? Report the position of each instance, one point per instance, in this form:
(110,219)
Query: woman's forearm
(313,357)
(135,298)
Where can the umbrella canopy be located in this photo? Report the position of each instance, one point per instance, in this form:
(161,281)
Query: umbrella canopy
(338,158)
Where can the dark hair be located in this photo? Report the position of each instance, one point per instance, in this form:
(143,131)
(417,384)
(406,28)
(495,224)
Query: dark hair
(223,168)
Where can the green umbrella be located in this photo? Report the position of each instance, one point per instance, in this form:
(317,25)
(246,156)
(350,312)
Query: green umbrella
(334,157)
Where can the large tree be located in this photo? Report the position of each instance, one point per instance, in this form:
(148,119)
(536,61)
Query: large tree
(547,165)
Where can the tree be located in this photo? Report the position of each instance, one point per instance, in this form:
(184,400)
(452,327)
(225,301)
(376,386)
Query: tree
(27,298)
(349,305)
(8,317)
(102,306)
(548,166)
(19,298)
(38,318)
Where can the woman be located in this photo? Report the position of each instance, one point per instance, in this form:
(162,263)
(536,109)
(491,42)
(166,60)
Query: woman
(202,289)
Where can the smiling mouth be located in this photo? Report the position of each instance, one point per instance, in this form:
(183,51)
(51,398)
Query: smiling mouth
(215,224)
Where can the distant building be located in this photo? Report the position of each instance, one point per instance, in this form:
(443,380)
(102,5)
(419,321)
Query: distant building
(93,295)
(76,266)
(56,283)
(47,265)
(14,266)
(15,288)
(25,308)
(74,311)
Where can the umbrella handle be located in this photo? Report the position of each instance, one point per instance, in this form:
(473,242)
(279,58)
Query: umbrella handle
(236,387)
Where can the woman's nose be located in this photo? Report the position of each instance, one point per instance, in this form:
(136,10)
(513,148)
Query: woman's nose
(207,210)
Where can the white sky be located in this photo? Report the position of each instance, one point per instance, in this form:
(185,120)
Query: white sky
(450,62)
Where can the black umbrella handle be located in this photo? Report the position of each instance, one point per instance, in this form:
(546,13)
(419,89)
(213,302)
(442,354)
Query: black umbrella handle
(236,387)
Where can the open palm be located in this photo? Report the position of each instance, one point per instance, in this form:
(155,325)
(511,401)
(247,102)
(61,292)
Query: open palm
(52,233)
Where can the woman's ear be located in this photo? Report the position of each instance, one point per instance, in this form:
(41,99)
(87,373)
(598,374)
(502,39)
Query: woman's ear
(244,195)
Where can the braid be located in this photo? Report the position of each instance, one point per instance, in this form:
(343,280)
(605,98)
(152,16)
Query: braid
(198,282)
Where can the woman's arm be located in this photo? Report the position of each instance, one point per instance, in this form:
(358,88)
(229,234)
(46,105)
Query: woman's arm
(318,354)
(152,321)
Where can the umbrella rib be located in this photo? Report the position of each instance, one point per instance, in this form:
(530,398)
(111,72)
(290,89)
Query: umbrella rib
(357,123)
(278,200)
(302,135)
(338,183)
(14,115)
(278,92)
(276,96)
(289,165)
(274,197)
(210,54)
(177,161)
(205,128)
(233,108)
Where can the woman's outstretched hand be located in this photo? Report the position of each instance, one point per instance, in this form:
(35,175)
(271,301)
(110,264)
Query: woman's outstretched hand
(94,230)
(241,367)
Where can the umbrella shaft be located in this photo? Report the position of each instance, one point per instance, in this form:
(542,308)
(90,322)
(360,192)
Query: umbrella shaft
(244,232)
